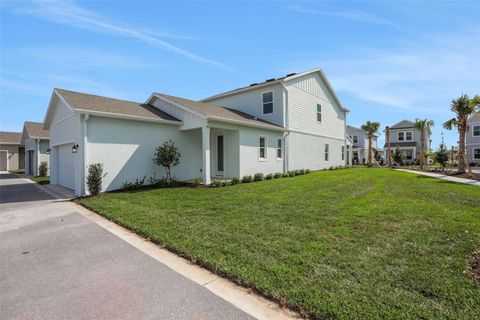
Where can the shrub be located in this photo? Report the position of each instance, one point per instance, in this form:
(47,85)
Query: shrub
(129,186)
(331,168)
(167,156)
(269,176)
(235,180)
(441,155)
(307,171)
(94,178)
(197,181)
(216,183)
(291,173)
(285,175)
(225,183)
(42,169)
(277,175)
(247,179)
(258,177)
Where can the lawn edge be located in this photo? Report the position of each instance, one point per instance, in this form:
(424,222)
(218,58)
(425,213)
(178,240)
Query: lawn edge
(295,312)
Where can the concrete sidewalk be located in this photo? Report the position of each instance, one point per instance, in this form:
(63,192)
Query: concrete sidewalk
(57,263)
(471,182)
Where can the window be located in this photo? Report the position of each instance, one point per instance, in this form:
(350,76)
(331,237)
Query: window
(401,136)
(326,151)
(355,139)
(409,155)
(319,113)
(262,148)
(343,152)
(267,100)
(476,154)
(409,135)
(476,130)
(279,148)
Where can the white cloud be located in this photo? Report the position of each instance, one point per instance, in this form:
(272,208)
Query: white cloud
(354,15)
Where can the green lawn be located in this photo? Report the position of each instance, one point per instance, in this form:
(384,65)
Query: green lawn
(19,171)
(354,243)
(41,180)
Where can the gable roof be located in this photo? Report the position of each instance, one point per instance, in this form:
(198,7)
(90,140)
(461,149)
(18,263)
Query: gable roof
(105,106)
(214,112)
(403,124)
(352,128)
(10,137)
(35,130)
(272,81)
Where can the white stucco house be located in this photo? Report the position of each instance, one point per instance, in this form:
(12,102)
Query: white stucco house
(282,124)
(37,147)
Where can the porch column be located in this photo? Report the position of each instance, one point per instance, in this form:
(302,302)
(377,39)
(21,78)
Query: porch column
(206,154)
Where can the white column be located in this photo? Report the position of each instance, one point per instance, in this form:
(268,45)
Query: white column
(206,154)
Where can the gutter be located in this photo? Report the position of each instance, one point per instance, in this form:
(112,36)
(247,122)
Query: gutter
(126,117)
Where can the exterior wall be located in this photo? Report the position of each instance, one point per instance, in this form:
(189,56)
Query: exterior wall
(251,103)
(308,152)
(231,153)
(127,157)
(472,142)
(304,94)
(13,155)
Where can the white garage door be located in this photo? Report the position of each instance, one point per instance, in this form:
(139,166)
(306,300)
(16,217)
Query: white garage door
(66,166)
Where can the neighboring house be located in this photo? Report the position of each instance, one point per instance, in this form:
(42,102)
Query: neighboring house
(282,124)
(360,144)
(406,138)
(37,147)
(473,139)
(12,151)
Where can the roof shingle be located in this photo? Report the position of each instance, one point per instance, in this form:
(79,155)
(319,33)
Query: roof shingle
(35,129)
(10,137)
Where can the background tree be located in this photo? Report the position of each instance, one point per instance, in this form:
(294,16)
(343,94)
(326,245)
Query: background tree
(371,128)
(397,156)
(423,125)
(167,156)
(441,155)
(463,107)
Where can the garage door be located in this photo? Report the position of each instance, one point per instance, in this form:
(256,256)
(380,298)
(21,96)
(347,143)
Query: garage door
(3,160)
(66,166)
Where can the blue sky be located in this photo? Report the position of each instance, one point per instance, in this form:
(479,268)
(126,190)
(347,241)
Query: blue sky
(387,61)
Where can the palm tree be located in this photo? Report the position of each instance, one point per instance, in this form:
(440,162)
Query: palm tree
(423,125)
(371,128)
(463,107)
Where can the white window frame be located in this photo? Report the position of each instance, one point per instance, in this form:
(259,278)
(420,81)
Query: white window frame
(411,133)
(326,150)
(473,154)
(319,113)
(473,130)
(260,147)
(343,153)
(263,103)
(398,136)
(280,140)
(355,139)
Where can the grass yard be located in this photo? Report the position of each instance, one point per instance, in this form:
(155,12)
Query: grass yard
(41,180)
(353,243)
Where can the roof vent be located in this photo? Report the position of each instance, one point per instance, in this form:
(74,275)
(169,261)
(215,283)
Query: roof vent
(291,74)
(253,84)
(270,80)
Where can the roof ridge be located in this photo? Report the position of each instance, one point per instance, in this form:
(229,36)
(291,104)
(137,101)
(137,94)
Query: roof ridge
(96,95)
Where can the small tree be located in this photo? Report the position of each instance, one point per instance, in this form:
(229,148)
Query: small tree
(167,156)
(43,169)
(397,156)
(371,128)
(94,178)
(441,155)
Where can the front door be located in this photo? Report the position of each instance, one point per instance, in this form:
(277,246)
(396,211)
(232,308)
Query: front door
(220,163)
(30,162)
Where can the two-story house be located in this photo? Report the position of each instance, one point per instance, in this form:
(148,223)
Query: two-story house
(407,139)
(360,144)
(282,124)
(473,139)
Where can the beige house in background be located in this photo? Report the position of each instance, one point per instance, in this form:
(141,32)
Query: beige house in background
(12,151)
(37,146)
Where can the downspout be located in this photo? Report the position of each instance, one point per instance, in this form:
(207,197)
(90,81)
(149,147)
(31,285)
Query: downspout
(287,132)
(85,150)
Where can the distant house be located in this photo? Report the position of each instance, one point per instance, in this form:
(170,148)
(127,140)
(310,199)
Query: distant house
(288,123)
(37,146)
(406,138)
(12,151)
(473,139)
(360,144)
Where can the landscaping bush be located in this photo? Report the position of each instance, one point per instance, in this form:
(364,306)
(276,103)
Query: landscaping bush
(258,177)
(277,175)
(269,176)
(235,180)
(43,169)
(129,186)
(307,171)
(167,156)
(225,183)
(216,183)
(285,175)
(94,178)
(197,181)
(247,179)
(291,173)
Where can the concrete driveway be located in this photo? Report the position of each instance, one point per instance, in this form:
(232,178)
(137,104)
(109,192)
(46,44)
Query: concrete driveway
(57,264)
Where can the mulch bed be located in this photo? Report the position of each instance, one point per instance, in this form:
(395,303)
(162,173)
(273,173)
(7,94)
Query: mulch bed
(474,267)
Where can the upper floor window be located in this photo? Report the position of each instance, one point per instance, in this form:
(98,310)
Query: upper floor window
(408,135)
(355,139)
(476,130)
(267,100)
(319,113)
(326,151)
(405,136)
(262,148)
(401,136)
(279,148)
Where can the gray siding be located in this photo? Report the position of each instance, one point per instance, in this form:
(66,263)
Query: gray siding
(472,142)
